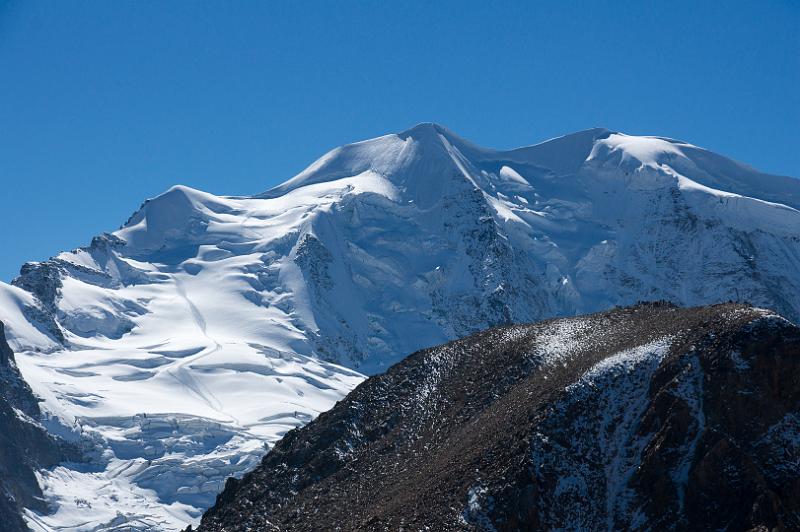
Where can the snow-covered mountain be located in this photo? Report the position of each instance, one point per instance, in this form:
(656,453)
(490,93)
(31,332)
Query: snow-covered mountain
(206,327)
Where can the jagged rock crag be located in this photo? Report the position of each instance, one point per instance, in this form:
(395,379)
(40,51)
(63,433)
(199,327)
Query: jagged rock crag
(24,445)
(648,417)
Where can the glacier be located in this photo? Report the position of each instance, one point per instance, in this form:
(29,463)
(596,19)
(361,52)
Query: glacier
(176,349)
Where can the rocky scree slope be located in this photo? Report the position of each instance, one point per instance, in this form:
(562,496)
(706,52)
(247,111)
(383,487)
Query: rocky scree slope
(181,345)
(644,418)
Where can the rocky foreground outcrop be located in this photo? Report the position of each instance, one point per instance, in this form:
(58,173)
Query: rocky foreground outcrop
(24,445)
(649,417)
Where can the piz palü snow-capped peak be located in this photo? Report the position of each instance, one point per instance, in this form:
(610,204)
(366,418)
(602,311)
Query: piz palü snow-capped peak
(208,326)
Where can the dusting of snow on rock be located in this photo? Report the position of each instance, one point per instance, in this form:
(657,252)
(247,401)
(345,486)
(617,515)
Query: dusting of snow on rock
(601,412)
(689,388)
(783,442)
(561,339)
(479,503)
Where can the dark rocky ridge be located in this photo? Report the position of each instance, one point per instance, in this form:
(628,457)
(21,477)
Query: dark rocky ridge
(24,445)
(648,417)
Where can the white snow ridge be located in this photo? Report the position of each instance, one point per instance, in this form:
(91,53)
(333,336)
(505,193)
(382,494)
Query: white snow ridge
(176,349)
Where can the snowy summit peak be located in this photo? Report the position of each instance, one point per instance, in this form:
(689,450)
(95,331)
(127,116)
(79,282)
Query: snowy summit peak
(428,162)
(424,129)
(431,132)
(425,150)
(173,215)
(433,151)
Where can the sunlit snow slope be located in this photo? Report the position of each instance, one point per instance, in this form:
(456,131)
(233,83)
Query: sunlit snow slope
(177,347)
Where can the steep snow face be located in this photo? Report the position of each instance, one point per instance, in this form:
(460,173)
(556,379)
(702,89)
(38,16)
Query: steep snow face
(207,326)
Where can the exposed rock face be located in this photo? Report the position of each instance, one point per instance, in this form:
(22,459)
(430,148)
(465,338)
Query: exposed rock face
(648,417)
(6,355)
(24,444)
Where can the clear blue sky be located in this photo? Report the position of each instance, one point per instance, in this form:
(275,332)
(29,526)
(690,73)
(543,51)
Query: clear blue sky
(103,104)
